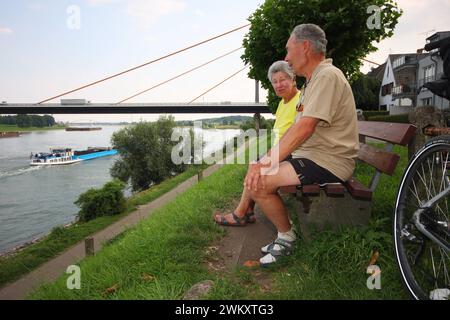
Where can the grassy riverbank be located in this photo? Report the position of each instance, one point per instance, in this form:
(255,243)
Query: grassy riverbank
(32,256)
(167,253)
(12,128)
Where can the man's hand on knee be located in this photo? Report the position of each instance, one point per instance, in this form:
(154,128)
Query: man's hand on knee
(254,178)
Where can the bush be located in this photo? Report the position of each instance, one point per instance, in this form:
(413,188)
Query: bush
(399,118)
(106,201)
(368,114)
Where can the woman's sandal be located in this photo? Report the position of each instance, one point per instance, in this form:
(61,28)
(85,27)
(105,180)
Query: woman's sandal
(237,221)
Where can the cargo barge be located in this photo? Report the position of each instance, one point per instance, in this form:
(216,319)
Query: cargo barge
(9,134)
(83,128)
(60,156)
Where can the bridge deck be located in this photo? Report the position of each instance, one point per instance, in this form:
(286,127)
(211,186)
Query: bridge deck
(126,108)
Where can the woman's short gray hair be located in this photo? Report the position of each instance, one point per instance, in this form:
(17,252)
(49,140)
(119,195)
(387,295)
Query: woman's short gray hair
(280,66)
(314,34)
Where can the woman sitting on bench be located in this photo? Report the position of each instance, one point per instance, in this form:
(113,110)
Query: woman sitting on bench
(283,81)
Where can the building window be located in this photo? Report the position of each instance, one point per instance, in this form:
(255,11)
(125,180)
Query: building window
(429,73)
(387,89)
(398,62)
(426,102)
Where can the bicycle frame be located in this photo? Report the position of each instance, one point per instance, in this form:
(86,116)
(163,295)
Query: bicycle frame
(429,204)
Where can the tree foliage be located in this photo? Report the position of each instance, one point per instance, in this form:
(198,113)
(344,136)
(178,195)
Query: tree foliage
(264,124)
(105,201)
(145,151)
(24,120)
(366,91)
(344,22)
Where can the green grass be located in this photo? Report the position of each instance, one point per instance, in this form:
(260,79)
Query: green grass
(13,128)
(171,247)
(12,267)
(158,190)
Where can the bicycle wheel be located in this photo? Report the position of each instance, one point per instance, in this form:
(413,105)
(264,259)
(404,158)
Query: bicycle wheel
(421,222)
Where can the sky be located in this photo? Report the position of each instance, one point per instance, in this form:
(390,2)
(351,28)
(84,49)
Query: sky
(49,47)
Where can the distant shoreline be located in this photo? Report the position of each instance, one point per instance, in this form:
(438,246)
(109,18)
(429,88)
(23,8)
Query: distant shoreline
(11,128)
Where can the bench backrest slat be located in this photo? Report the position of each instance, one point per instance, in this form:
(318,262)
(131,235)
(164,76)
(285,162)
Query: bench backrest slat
(397,133)
(382,160)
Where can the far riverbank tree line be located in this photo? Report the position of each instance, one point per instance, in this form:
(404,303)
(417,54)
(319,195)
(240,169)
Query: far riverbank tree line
(25,121)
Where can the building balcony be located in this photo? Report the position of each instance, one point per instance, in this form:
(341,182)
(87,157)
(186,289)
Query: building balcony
(404,62)
(403,91)
(422,81)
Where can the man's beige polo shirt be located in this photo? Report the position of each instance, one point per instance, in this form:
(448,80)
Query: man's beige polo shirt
(334,143)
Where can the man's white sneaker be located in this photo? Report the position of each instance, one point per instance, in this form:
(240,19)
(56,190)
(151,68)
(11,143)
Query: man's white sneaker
(279,247)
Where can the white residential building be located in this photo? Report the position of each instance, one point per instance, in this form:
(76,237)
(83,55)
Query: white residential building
(404,75)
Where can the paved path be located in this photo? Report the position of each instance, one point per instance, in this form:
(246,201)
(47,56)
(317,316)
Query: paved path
(52,269)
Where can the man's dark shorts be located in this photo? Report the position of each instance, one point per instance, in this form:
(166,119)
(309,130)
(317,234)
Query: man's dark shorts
(309,172)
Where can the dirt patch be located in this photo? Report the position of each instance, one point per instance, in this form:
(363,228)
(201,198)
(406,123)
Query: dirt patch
(239,245)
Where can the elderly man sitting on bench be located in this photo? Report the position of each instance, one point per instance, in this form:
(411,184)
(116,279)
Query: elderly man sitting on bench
(323,140)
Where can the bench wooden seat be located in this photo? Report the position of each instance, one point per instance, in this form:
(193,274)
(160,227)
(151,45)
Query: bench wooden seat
(350,203)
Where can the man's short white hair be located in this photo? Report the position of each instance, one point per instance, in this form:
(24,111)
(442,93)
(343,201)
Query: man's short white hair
(280,66)
(314,34)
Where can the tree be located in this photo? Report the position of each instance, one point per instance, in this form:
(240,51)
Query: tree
(37,121)
(9,120)
(366,91)
(264,124)
(23,121)
(49,121)
(145,150)
(345,23)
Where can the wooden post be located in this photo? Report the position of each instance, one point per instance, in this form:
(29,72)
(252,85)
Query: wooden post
(256,91)
(200,176)
(257,116)
(89,246)
(412,145)
(422,118)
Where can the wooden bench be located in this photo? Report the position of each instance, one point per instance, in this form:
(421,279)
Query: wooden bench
(350,203)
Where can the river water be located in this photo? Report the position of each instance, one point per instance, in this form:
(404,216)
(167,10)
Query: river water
(33,200)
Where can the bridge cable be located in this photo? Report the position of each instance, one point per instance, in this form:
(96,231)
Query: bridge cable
(371,62)
(217,85)
(180,75)
(145,64)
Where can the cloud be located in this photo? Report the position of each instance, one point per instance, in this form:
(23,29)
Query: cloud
(199,13)
(99,2)
(4,30)
(35,6)
(146,12)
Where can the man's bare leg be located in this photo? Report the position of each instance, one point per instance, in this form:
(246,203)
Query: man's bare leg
(273,207)
(269,200)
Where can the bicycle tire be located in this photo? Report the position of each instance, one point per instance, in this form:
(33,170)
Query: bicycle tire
(406,236)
